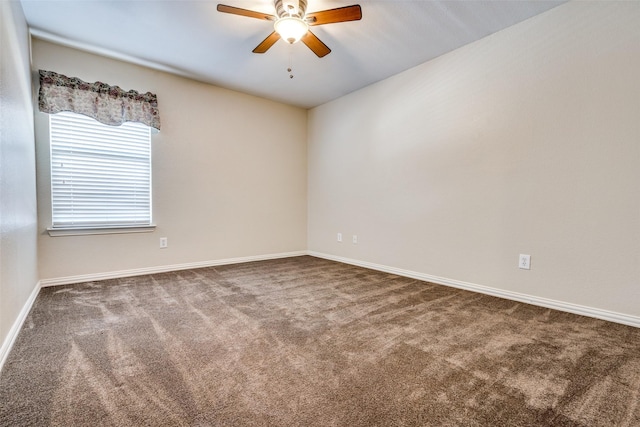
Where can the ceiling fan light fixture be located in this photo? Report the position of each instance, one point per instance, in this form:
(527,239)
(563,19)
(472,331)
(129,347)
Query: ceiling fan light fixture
(291,28)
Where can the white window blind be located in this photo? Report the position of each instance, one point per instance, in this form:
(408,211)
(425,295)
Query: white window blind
(100,174)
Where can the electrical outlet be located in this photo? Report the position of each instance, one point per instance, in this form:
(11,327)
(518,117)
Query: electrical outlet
(525,262)
(163,243)
(339,238)
(354,239)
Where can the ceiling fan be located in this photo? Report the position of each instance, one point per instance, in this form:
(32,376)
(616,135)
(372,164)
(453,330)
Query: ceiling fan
(292,23)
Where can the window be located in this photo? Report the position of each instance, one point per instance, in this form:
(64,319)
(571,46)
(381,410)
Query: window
(100,174)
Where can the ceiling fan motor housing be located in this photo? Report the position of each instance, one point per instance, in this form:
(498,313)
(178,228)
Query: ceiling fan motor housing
(295,8)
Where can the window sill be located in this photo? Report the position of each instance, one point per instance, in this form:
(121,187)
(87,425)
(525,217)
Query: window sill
(60,231)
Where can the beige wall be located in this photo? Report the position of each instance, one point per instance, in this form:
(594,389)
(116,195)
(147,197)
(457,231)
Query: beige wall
(229,174)
(18,253)
(527,141)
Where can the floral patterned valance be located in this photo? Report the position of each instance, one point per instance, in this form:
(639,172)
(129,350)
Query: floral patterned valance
(107,104)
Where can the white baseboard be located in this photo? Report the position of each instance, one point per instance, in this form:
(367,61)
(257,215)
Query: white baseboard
(10,339)
(597,313)
(161,269)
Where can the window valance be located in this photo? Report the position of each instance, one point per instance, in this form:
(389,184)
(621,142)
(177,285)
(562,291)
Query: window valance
(107,104)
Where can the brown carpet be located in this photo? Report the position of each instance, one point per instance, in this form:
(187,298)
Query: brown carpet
(308,342)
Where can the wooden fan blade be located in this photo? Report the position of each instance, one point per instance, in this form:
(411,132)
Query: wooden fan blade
(331,16)
(315,44)
(267,43)
(245,12)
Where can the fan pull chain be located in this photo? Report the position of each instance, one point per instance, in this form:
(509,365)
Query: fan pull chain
(289,69)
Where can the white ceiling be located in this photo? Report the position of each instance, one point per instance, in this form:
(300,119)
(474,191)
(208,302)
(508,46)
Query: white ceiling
(192,39)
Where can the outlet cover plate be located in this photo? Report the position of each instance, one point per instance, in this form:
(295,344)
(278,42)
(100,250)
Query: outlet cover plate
(524,262)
